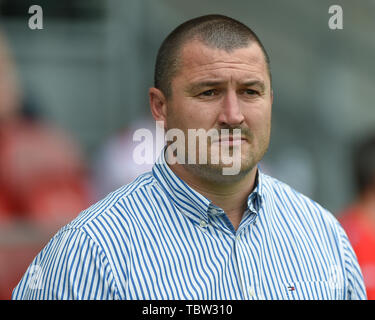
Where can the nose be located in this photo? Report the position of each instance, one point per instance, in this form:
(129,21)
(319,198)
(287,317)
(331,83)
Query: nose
(230,113)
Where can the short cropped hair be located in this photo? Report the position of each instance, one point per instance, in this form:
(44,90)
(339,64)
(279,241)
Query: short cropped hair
(216,31)
(364,163)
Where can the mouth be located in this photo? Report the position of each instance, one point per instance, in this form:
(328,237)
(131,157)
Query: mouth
(230,141)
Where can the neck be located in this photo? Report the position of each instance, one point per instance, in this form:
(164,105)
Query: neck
(229,196)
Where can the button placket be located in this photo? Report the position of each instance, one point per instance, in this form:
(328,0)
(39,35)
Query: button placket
(250,285)
(239,265)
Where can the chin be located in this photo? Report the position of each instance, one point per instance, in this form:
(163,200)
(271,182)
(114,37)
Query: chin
(214,172)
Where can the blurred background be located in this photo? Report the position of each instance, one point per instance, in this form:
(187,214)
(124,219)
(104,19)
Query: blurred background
(72,94)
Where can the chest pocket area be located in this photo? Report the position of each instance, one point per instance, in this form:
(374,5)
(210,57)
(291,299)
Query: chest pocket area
(313,290)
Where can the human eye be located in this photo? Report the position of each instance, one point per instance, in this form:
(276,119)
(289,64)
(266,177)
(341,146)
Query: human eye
(208,93)
(251,92)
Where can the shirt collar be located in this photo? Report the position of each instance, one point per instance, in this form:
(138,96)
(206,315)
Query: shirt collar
(255,199)
(191,203)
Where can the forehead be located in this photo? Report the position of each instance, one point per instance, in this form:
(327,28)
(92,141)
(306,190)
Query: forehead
(199,60)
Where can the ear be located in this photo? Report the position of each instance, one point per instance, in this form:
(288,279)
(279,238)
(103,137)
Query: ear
(158,104)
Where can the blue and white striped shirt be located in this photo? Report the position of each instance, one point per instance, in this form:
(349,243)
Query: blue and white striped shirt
(157,238)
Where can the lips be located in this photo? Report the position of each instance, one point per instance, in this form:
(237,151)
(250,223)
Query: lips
(230,140)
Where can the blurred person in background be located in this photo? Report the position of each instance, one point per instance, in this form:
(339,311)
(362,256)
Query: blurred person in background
(43,180)
(359,218)
(114,165)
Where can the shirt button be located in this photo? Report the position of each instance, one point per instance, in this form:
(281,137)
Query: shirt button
(214,211)
(238,237)
(202,224)
(251,291)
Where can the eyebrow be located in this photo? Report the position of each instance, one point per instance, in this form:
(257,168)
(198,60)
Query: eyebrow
(198,85)
(258,83)
(202,84)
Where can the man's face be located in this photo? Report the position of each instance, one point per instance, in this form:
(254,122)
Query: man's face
(214,89)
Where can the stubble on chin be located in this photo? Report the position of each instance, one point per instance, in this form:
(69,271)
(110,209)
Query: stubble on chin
(213,172)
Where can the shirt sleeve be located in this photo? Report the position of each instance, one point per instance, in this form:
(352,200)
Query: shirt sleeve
(355,285)
(71,266)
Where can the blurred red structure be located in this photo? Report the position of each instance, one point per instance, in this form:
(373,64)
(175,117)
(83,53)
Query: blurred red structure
(43,180)
(41,173)
(43,185)
(358,219)
(361,233)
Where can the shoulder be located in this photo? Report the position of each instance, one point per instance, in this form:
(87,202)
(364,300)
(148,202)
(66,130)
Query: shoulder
(310,223)
(297,207)
(316,230)
(111,212)
(98,241)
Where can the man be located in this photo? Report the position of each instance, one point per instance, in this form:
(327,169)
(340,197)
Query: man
(359,218)
(186,230)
